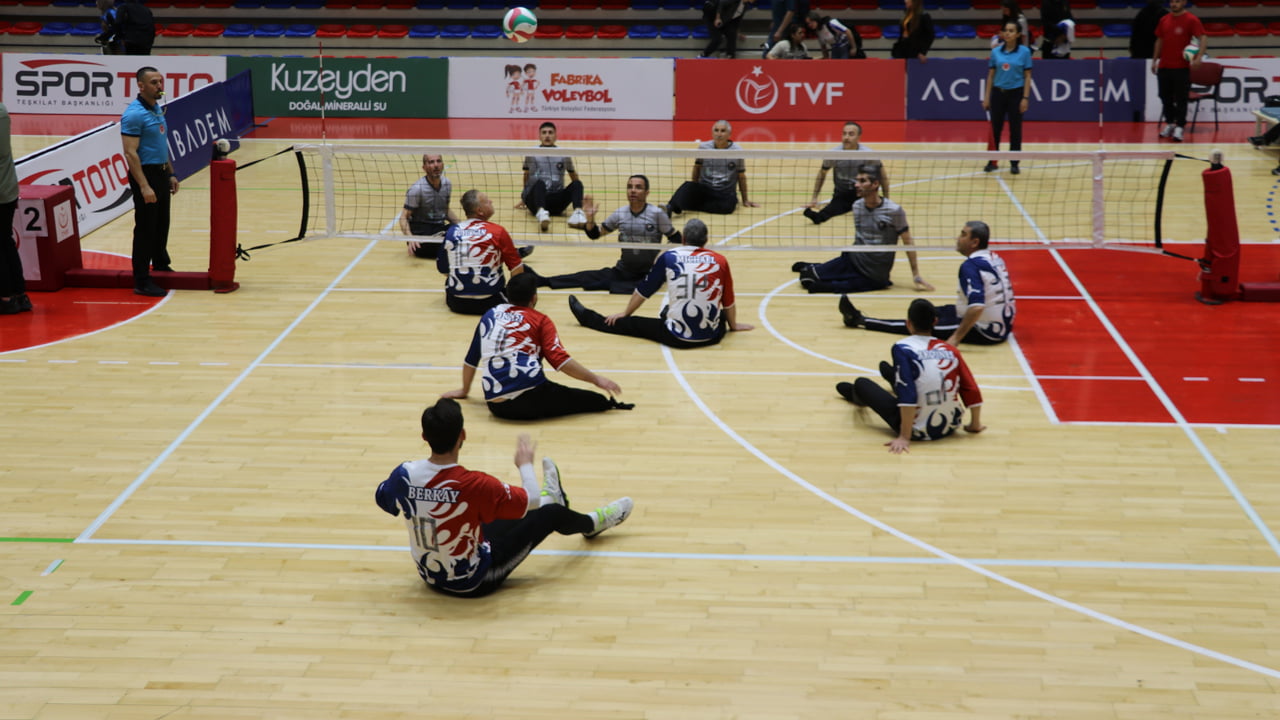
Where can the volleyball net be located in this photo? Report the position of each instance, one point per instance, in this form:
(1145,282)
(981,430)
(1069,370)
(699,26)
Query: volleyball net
(1095,198)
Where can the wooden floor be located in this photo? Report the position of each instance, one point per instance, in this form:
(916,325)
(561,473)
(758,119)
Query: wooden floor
(186,504)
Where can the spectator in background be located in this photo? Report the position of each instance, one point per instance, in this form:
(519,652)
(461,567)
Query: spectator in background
(107,19)
(722,18)
(917,33)
(785,12)
(1142,39)
(792,48)
(1009,10)
(1174,33)
(838,41)
(1058,30)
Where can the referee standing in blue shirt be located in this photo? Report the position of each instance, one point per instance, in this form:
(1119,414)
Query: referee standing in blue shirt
(1008,82)
(151,178)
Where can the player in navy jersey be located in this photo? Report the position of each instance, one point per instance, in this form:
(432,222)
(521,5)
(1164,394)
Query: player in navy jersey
(508,348)
(636,222)
(932,386)
(468,530)
(985,310)
(426,208)
(716,180)
(877,220)
(844,179)
(474,253)
(545,192)
(700,301)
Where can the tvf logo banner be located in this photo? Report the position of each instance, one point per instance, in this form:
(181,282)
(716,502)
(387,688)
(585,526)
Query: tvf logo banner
(790,90)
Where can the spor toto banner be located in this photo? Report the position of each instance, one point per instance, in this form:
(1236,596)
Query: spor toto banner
(545,87)
(951,89)
(96,84)
(1245,82)
(790,90)
(346,87)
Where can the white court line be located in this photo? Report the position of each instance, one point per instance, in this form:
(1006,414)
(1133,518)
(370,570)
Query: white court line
(182,437)
(944,555)
(764,320)
(1152,383)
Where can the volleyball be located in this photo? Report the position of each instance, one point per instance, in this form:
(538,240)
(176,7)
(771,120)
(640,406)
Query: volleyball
(1190,52)
(519,24)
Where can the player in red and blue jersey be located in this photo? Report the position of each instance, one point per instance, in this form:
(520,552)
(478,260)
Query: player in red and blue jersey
(508,348)
(932,386)
(700,302)
(473,254)
(469,530)
(985,310)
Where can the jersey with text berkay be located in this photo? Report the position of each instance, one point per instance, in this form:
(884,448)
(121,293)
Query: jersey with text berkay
(549,170)
(985,281)
(445,509)
(699,288)
(720,173)
(508,347)
(931,375)
(427,203)
(647,226)
(474,252)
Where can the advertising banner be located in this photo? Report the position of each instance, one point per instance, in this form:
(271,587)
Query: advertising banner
(546,87)
(347,87)
(1245,82)
(57,84)
(1062,90)
(93,163)
(790,90)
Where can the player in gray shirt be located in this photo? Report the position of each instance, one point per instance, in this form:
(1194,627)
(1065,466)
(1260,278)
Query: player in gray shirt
(877,220)
(712,188)
(426,208)
(636,222)
(844,177)
(545,193)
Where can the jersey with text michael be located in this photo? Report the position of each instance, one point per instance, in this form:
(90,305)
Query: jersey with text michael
(474,252)
(445,508)
(984,281)
(932,376)
(508,347)
(699,289)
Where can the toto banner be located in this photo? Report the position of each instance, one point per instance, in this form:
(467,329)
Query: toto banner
(346,87)
(951,89)
(545,87)
(789,90)
(1245,84)
(96,84)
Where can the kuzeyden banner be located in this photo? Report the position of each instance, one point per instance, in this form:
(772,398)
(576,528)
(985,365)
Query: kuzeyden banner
(790,90)
(545,87)
(346,87)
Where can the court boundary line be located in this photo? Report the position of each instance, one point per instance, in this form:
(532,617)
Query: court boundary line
(944,555)
(177,442)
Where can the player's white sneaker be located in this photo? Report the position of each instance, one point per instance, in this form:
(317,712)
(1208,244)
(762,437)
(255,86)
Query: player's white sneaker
(544,220)
(578,220)
(1177,134)
(610,515)
(1168,130)
(552,492)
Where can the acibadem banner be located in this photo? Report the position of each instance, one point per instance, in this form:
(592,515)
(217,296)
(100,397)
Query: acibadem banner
(347,87)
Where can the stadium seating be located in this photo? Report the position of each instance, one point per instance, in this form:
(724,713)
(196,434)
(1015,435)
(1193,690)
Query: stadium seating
(56,28)
(24,27)
(869,32)
(580,32)
(450,31)
(178,30)
(364,30)
(1117,30)
(1214,29)
(208,30)
(646,4)
(269,30)
(643,32)
(1088,30)
(238,30)
(960,32)
(331,30)
(675,32)
(549,32)
(392,32)
(90,29)
(486,32)
(1251,29)
(611,32)
(300,30)
(424,32)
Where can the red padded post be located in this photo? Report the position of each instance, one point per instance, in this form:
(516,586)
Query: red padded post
(222,226)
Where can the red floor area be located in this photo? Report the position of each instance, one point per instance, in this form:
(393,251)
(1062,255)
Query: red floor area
(70,312)
(1217,364)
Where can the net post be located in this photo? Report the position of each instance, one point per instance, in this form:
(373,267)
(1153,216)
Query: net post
(222,226)
(330,212)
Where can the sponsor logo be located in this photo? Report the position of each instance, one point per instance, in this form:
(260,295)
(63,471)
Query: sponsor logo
(342,84)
